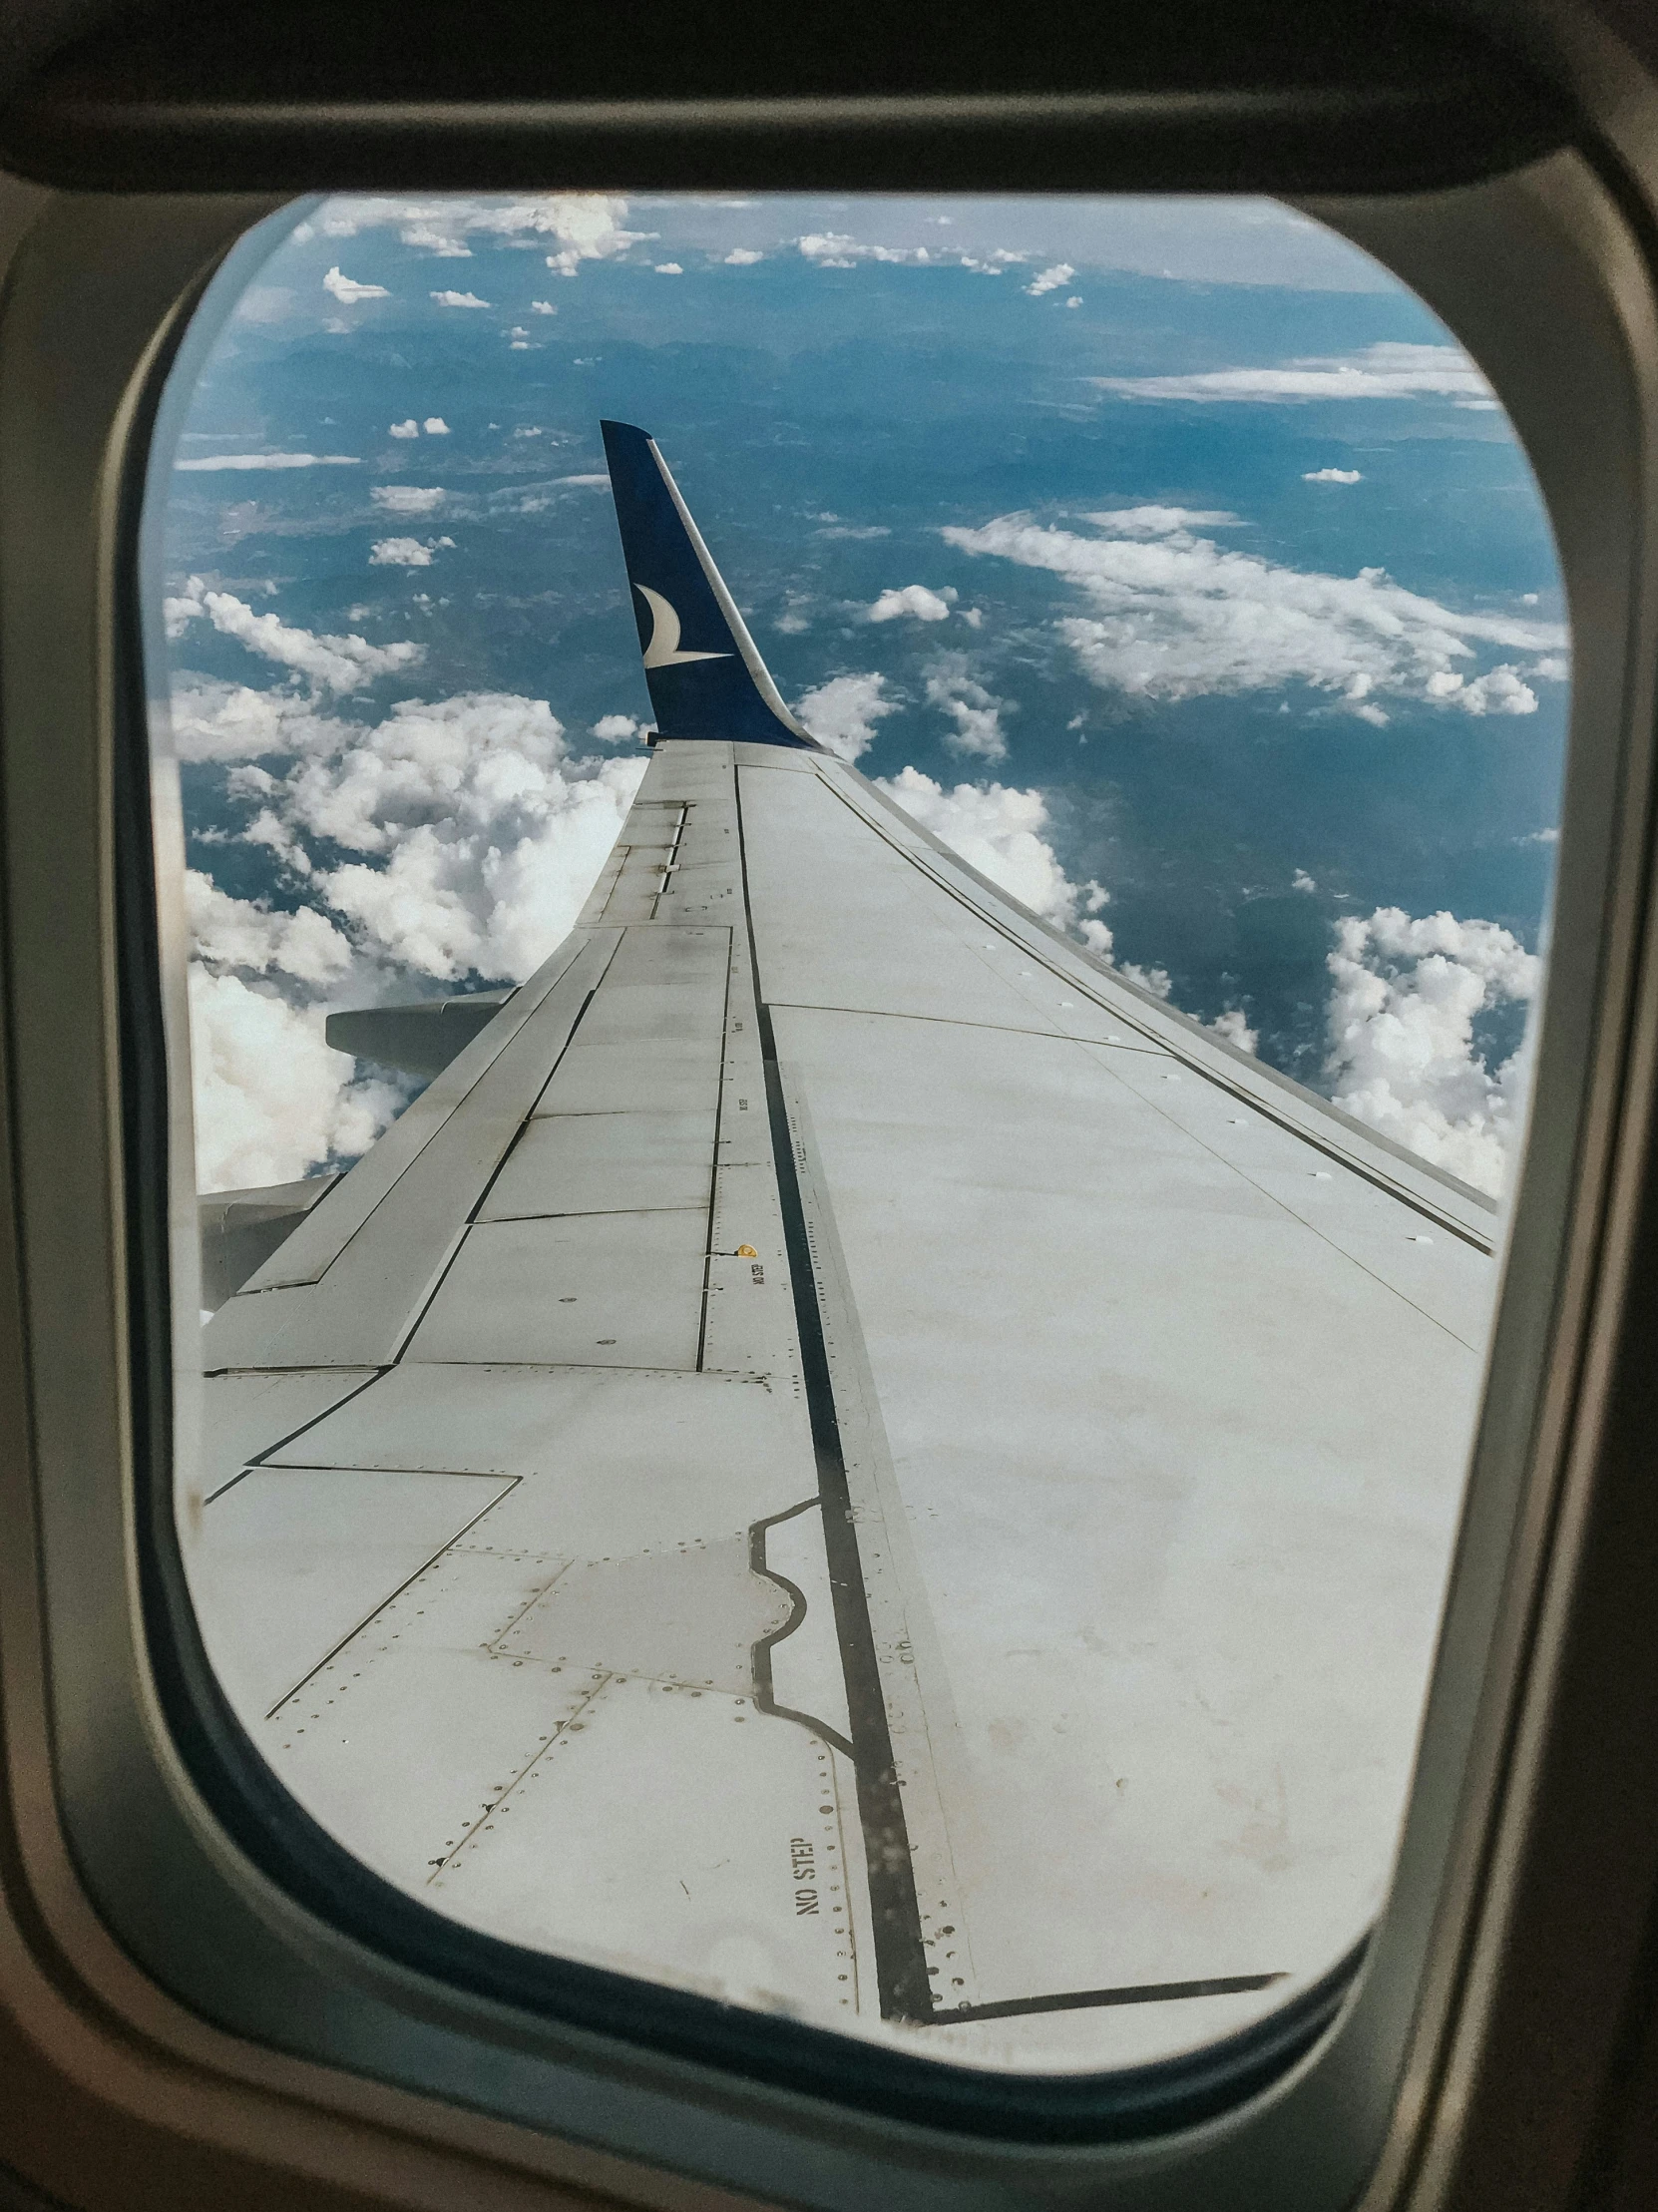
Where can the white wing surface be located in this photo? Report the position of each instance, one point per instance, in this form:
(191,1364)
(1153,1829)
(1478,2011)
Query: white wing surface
(842,1458)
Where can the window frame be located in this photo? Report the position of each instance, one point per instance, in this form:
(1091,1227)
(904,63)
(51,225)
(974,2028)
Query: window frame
(97,302)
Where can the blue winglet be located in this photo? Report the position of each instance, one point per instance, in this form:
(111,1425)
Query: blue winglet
(706,677)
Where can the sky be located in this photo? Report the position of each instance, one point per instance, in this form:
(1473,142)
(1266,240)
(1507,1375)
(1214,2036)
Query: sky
(1168,557)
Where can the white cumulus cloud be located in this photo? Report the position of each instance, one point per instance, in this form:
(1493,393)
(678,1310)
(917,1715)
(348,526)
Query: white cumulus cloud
(459,299)
(912,598)
(180,608)
(589,226)
(436,240)
(239,933)
(349,291)
(1050,279)
(586,225)
(407,498)
(1407,993)
(999,832)
(471,835)
(976,712)
(435,427)
(1332,476)
(1499,691)
(843,712)
(1176,615)
(742,256)
(616,730)
(409,429)
(481,834)
(837,250)
(334,664)
(212,720)
(405,553)
(1156,981)
(273,1100)
(1234,1027)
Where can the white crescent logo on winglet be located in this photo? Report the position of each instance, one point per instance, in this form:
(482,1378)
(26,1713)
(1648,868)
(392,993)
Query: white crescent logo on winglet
(663,649)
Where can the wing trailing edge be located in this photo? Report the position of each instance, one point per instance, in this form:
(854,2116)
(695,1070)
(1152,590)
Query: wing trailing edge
(703,669)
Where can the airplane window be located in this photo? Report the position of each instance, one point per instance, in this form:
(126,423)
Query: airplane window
(867,880)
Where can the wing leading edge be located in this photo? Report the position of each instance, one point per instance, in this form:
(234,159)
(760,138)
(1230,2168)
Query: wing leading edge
(833,1377)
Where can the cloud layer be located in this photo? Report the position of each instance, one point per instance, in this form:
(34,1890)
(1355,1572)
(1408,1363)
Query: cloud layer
(272,460)
(1386,371)
(1176,615)
(437,841)
(470,835)
(581,227)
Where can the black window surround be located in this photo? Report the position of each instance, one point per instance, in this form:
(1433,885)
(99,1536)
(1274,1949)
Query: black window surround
(241,1917)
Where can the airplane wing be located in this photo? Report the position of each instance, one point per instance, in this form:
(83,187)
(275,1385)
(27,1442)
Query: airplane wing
(842,1457)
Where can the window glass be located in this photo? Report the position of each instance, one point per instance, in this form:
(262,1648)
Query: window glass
(850,1152)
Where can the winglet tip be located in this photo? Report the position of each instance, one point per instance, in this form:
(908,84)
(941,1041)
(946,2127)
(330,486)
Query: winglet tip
(732,693)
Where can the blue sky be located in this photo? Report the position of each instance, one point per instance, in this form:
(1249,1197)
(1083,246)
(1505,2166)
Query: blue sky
(1169,556)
